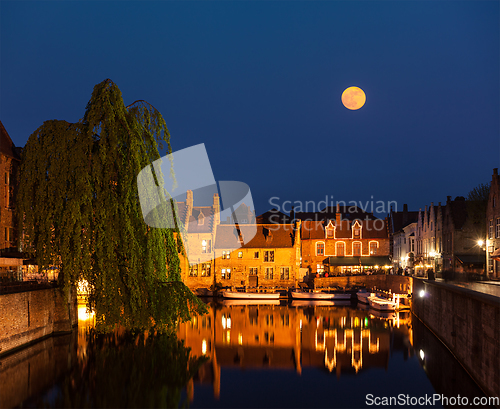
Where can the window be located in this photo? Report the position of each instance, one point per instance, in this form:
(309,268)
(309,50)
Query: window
(373,248)
(497,232)
(240,254)
(490,230)
(285,273)
(226,254)
(206,269)
(254,271)
(269,273)
(329,233)
(256,254)
(201,219)
(356,249)
(340,249)
(206,246)
(356,234)
(193,270)
(269,256)
(320,249)
(320,268)
(431,226)
(226,273)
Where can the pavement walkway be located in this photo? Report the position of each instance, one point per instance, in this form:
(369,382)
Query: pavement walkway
(485,287)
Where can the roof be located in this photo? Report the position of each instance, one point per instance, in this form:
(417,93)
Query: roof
(7,147)
(203,214)
(273,216)
(254,236)
(402,219)
(347,213)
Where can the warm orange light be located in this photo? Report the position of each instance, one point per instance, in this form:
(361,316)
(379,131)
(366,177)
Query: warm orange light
(353,98)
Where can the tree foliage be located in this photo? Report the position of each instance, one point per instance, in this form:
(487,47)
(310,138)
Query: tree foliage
(477,202)
(79,208)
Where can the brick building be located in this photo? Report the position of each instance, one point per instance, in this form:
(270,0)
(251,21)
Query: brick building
(493,227)
(461,251)
(429,239)
(10,258)
(270,258)
(344,244)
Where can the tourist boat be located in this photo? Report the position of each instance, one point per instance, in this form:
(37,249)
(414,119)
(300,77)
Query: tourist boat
(318,295)
(319,303)
(382,304)
(250,296)
(240,302)
(363,296)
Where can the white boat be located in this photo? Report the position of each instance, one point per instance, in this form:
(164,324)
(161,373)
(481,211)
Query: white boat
(363,296)
(318,295)
(313,295)
(250,296)
(239,302)
(383,304)
(319,303)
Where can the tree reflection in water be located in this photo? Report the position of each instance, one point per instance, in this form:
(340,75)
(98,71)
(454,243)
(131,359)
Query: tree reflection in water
(127,370)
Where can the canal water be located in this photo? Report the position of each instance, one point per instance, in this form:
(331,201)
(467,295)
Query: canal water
(286,354)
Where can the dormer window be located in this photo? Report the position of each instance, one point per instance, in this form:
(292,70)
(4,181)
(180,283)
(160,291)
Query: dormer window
(201,219)
(356,230)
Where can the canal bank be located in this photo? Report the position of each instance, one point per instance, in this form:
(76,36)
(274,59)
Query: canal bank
(468,324)
(30,316)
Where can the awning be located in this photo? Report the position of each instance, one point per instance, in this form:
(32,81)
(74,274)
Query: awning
(472,259)
(369,261)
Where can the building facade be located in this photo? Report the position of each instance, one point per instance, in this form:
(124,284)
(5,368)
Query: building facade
(493,228)
(257,255)
(429,240)
(10,258)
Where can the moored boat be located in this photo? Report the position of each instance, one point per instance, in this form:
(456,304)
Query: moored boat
(250,296)
(319,303)
(248,301)
(363,295)
(313,295)
(383,304)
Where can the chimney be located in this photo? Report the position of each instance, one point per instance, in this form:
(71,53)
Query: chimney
(189,199)
(405,214)
(292,214)
(495,171)
(337,219)
(338,207)
(216,210)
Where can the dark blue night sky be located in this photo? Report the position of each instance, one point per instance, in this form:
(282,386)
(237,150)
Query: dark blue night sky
(260,84)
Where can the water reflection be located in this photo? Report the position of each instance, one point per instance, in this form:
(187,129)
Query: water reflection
(339,339)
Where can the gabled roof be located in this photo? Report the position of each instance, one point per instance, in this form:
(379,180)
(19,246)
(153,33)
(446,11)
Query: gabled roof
(457,210)
(7,147)
(398,219)
(266,236)
(273,216)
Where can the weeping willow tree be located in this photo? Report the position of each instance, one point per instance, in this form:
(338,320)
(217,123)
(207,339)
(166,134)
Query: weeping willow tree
(79,209)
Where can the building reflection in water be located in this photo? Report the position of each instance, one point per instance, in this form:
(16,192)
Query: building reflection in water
(338,338)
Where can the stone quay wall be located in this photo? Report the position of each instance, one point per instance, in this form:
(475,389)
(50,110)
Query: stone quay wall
(468,323)
(26,317)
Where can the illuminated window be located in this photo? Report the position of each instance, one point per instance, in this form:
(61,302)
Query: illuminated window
(226,273)
(373,248)
(206,269)
(193,270)
(240,254)
(490,230)
(320,268)
(320,249)
(206,246)
(497,233)
(226,254)
(269,273)
(254,271)
(356,230)
(329,233)
(356,249)
(340,249)
(269,256)
(285,273)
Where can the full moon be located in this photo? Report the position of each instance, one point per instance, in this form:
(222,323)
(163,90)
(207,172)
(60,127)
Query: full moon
(353,98)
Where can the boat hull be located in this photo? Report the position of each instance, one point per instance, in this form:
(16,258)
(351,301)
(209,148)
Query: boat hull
(250,296)
(302,295)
